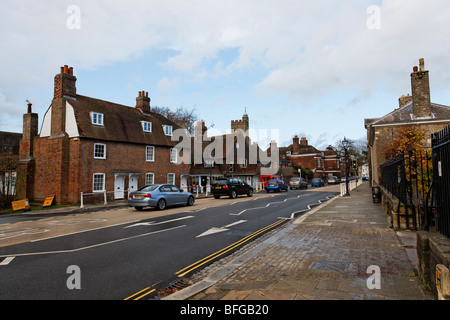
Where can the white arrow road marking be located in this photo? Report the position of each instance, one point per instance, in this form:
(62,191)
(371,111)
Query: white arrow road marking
(217,230)
(235,223)
(212,231)
(6,261)
(152,223)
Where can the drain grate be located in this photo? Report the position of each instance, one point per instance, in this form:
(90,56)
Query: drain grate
(174,287)
(341,267)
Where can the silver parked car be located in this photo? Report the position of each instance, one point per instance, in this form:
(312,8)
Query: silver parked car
(159,196)
(298,183)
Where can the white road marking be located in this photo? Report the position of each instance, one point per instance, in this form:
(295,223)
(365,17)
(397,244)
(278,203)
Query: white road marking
(6,261)
(212,231)
(151,223)
(222,229)
(91,246)
(235,223)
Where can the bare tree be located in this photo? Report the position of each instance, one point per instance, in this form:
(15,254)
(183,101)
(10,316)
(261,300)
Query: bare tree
(183,117)
(8,162)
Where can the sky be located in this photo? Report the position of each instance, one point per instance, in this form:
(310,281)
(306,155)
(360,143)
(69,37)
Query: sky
(315,69)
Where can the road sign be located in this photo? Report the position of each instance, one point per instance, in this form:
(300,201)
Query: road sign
(49,200)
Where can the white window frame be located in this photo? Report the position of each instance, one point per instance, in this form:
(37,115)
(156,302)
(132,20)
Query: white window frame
(152,159)
(146,126)
(168,130)
(149,178)
(94,182)
(173,155)
(168,178)
(104,150)
(97,118)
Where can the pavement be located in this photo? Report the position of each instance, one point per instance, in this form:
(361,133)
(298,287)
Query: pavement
(341,250)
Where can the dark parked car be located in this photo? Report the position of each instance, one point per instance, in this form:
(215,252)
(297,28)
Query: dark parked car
(317,182)
(159,196)
(276,185)
(298,183)
(231,187)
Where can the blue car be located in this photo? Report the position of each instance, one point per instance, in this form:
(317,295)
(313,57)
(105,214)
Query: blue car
(159,196)
(317,182)
(276,185)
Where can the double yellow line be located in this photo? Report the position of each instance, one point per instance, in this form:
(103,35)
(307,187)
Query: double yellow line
(219,253)
(192,267)
(140,294)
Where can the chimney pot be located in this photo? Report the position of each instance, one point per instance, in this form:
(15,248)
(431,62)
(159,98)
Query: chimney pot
(66,69)
(415,69)
(71,71)
(62,69)
(422,64)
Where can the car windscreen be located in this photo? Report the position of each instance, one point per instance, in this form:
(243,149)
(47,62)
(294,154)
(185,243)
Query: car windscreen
(219,182)
(151,187)
(294,180)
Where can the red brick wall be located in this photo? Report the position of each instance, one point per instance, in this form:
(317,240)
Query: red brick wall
(121,157)
(54,168)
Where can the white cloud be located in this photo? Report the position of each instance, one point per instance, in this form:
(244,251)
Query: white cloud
(303,49)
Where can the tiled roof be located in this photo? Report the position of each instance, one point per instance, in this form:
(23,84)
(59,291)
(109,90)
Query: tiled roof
(403,115)
(121,123)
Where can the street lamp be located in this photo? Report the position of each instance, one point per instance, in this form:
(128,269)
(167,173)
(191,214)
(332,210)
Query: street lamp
(345,145)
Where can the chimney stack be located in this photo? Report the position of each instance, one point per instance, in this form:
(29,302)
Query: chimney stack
(304,142)
(30,131)
(143,102)
(420,85)
(65,88)
(65,83)
(404,100)
(295,145)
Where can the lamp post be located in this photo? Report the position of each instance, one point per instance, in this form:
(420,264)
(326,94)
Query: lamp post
(345,145)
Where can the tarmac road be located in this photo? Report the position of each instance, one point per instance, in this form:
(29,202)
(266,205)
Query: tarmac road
(121,254)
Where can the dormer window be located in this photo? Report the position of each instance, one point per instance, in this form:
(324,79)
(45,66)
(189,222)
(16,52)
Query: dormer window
(97,118)
(146,126)
(167,130)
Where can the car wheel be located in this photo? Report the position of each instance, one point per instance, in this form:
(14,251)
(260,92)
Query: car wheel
(233,195)
(139,208)
(250,193)
(267,191)
(190,201)
(216,197)
(161,205)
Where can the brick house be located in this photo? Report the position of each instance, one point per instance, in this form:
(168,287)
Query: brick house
(91,146)
(238,154)
(300,153)
(413,110)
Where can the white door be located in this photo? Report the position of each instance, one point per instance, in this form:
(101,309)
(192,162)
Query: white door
(133,183)
(184,185)
(119,187)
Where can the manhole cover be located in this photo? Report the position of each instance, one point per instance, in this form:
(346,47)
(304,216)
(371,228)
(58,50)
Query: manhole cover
(341,267)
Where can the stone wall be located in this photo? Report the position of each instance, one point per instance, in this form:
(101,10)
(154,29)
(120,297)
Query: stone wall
(433,250)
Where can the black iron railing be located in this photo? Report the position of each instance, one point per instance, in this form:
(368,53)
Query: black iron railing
(408,177)
(437,212)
